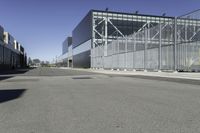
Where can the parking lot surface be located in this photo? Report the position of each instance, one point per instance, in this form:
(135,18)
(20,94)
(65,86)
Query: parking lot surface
(52,100)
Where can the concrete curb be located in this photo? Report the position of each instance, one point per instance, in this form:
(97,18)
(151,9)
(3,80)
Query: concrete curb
(182,75)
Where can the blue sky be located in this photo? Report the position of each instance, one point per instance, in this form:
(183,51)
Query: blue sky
(42,25)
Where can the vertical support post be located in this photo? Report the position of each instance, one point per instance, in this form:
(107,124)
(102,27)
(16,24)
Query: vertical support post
(93,33)
(126,50)
(105,41)
(145,49)
(92,57)
(186,48)
(106,37)
(112,55)
(134,50)
(175,44)
(118,54)
(160,47)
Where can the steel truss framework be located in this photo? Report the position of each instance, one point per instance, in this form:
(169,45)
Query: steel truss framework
(156,43)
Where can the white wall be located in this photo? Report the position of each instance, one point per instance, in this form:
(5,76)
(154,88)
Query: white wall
(82,48)
(70,51)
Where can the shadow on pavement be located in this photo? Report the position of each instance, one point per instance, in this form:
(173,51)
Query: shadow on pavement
(16,71)
(5,77)
(8,95)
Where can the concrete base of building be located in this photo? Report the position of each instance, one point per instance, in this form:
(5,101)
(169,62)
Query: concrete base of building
(82,60)
(175,72)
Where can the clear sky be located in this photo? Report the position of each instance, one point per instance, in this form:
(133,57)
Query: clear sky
(42,25)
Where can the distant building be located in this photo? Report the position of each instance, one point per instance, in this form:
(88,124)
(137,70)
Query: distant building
(12,54)
(66,58)
(66,44)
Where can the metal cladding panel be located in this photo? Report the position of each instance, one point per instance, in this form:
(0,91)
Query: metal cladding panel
(6,37)
(1,33)
(69,41)
(70,51)
(82,48)
(66,44)
(82,60)
(16,46)
(22,49)
(1,54)
(83,31)
(11,39)
(64,47)
(11,42)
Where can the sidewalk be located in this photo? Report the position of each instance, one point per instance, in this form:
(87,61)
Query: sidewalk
(180,75)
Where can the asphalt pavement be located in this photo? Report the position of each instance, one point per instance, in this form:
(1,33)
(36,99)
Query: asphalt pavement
(51,100)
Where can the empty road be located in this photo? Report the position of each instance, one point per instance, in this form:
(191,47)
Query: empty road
(51,100)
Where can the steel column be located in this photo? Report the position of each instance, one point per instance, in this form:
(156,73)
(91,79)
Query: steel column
(175,44)
(160,47)
(106,37)
(145,48)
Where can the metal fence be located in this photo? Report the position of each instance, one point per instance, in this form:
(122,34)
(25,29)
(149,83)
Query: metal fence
(171,45)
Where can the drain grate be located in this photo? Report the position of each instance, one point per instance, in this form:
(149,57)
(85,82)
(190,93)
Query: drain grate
(81,78)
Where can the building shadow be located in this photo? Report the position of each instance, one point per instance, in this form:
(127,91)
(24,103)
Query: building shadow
(15,71)
(5,77)
(8,95)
